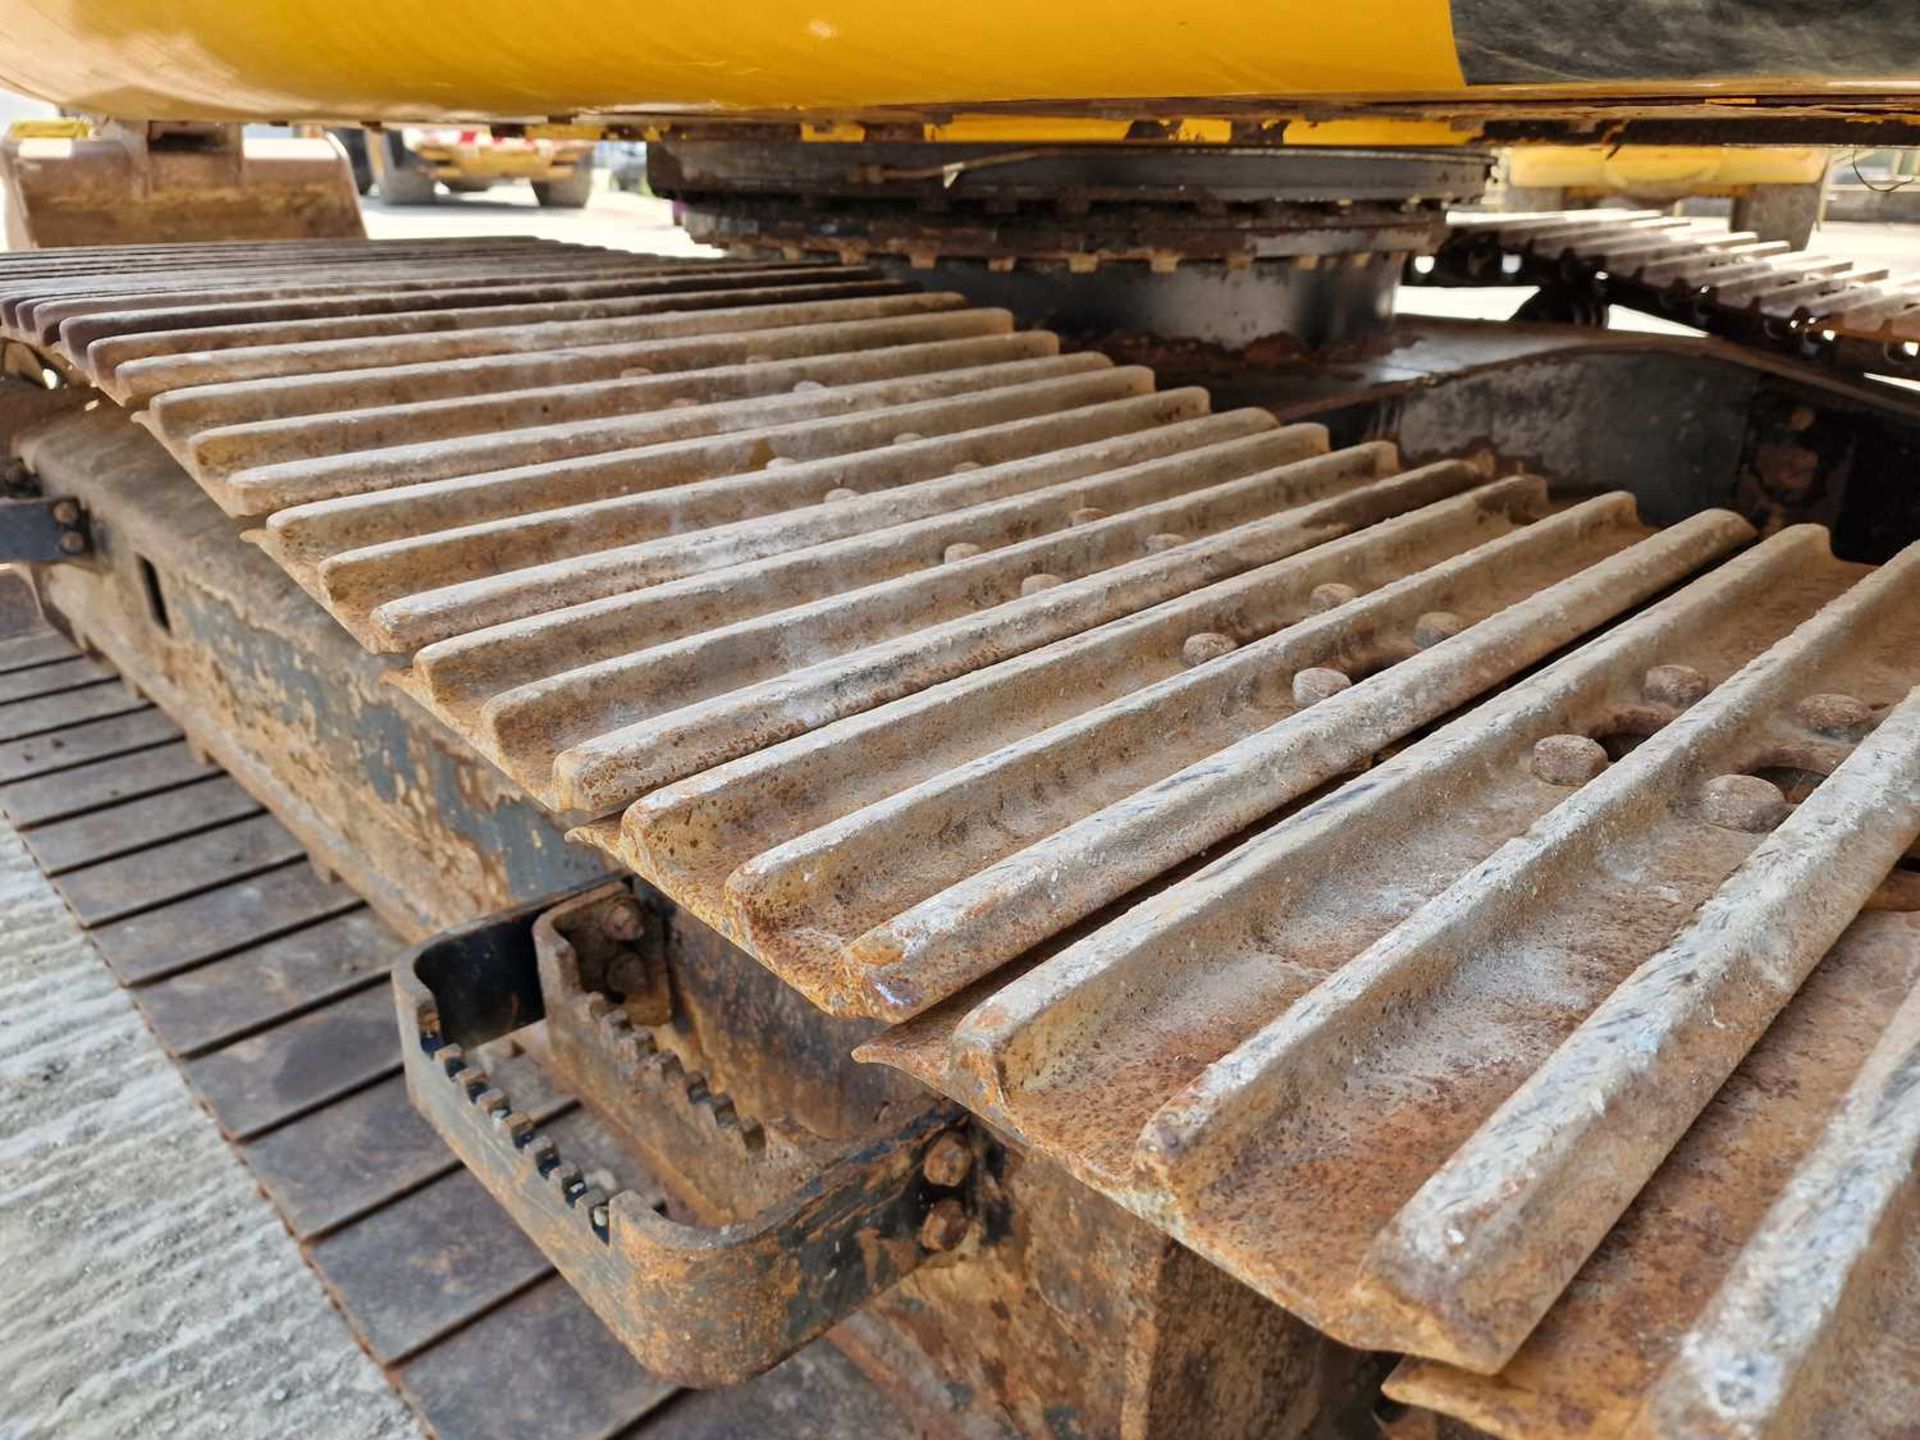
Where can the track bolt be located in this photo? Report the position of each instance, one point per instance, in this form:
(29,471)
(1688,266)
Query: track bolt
(65,512)
(947,1161)
(1317,683)
(959,550)
(1675,685)
(1839,715)
(1743,802)
(1330,596)
(1206,645)
(73,542)
(623,921)
(945,1226)
(1568,759)
(1034,584)
(1163,541)
(1437,625)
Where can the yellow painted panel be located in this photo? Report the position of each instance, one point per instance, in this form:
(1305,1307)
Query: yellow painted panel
(59,128)
(372,59)
(1026,130)
(1675,169)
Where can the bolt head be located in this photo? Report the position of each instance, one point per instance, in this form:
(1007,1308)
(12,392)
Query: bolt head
(1842,716)
(1318,682)
(945,1226)
(1206,645)
(623,921)
(65,512)
(1675,685)
(947,1161)
(73,542)
(1330,596)
(1437,625)
(1568,759)
(1743,802)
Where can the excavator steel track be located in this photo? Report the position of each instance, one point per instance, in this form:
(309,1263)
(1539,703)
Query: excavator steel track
(266,983)
(1729,283)
(1401,885)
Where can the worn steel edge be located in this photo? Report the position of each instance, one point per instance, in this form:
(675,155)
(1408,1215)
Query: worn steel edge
(698,1305)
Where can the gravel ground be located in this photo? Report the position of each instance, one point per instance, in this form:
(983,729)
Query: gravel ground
(147,1288)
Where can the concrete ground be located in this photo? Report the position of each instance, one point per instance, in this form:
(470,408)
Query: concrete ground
(147,1289)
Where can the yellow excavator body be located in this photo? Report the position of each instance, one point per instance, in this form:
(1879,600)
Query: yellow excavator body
(365,60)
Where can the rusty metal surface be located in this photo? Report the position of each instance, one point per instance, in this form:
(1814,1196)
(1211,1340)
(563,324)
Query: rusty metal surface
(1131,748)
(1060,1314)
(1696,271)
(268,685)
(701,1304)
(1366,875)
(1402,1060)
(1224,243)
(610,1005)
(1656,1308)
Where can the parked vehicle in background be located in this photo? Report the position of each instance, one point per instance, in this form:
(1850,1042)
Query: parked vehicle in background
(625,162)
(405,167)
